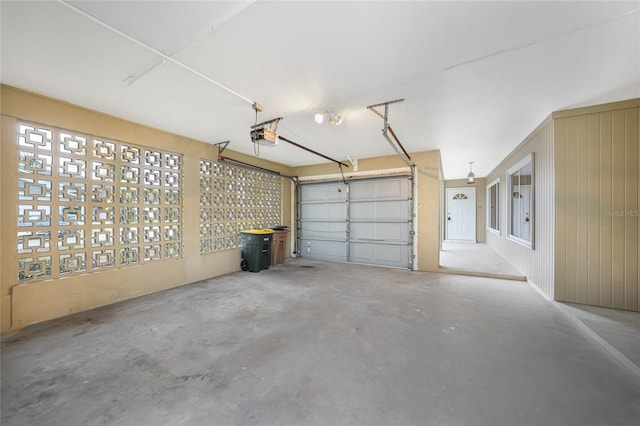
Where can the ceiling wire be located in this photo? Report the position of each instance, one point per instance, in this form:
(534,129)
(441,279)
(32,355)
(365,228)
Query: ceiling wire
(510,49)
(536,41)
(154,50)
(207,32)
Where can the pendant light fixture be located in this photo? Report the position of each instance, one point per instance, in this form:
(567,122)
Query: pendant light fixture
(471,178)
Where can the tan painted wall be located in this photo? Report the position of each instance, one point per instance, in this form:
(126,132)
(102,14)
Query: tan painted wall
(597,191)
(537,264)
(31,302)
(428,198)
(481,204)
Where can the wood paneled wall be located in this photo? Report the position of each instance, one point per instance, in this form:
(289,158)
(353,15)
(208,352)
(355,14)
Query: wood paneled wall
(597,191)
(537,263)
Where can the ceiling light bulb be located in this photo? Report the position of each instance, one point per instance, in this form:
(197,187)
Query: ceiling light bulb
(319,118)
(335,119)
(471,178)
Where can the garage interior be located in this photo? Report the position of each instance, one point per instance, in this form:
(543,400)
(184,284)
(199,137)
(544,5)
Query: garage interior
(307,343)
(455,187)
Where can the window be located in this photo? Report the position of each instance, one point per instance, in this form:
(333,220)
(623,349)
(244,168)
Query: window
(493,206)
(520,204)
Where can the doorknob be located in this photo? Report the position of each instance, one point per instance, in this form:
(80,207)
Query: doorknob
(448,216)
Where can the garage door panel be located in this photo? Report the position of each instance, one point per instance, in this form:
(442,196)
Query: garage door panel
(324,250)
(388,210)
(369,222)
(387,188)
(322,192)
(323,222)
(379,254)
(393,232)
(331,211)
(325,230)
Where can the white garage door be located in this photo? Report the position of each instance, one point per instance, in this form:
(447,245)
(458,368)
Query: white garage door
(369,221)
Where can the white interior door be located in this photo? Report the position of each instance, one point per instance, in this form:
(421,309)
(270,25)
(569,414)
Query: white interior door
(461,214)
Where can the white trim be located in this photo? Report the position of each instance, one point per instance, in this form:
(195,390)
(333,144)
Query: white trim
(293,235)
(493,182)
(526,159)
(488,203)
(520,241)
(414,176)
(529,158)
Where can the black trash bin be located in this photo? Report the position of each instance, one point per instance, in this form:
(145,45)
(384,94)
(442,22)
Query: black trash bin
(256,248)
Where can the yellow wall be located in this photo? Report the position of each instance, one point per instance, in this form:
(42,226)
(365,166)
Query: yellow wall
(429,173)
(587,188)
(30,302)
(481,204)
(597,201)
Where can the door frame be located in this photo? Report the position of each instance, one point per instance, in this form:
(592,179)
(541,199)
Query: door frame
(446,211)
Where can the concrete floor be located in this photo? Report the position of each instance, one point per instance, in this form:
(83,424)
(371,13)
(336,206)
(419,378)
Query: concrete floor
(312,342)
(618,330)
(477,259)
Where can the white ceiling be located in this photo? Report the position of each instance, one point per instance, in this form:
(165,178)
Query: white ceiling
(477,77)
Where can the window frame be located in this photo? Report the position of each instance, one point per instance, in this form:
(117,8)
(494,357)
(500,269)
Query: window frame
(495,183)
(528,159)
